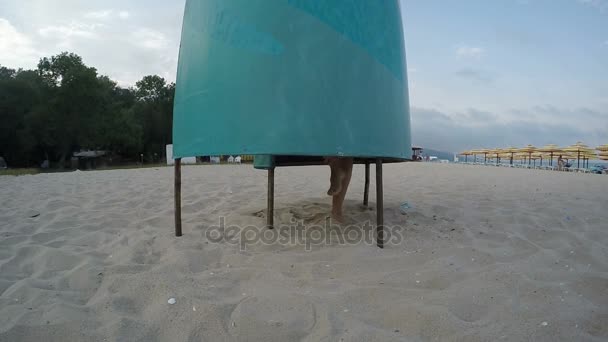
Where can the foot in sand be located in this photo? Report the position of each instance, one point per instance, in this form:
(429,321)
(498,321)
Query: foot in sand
(337,176)
(341,171)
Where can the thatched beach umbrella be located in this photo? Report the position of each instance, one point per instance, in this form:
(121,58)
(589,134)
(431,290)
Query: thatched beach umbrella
(479,151)
(474,153)
(568,156)
(525,157)
(533,159)
(511,151)
(540,156)
(485,153)
(579,148)
(495,154)
(505,156)
(603,148)
(603,152)
(590,155)
(547,157)
(528,150)
(552,149)
(466,155)
(521,157)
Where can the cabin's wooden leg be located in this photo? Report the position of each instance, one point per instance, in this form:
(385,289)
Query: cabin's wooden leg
(379,205)
(270,209)
(178,197)
(366,190)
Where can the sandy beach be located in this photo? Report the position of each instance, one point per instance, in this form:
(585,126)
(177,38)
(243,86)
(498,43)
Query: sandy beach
(487,254)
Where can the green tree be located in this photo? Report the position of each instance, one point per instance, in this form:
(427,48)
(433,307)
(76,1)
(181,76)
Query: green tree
(20,93)
(75,104)
(64,106)
(154,109)
(6,73)
(121,132)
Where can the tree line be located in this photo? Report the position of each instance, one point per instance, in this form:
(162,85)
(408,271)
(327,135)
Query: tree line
(65,106)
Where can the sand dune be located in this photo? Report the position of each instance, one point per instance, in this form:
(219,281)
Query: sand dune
(487,254)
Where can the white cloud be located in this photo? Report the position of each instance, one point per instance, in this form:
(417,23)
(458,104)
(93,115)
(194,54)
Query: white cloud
(146,48)
(69,36)
(73,29)
(108,14)
(16,47)
(150,39)
(98,14)
(470,51)
(123,39)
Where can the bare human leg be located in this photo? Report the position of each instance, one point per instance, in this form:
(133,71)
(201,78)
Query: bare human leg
(345,167)
(335,180)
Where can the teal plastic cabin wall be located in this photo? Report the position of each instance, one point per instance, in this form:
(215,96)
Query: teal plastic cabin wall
(292,77)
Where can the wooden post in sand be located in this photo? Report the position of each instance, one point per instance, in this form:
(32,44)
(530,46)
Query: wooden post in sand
(379,205)
(270,208)
(178,197)
(366,189)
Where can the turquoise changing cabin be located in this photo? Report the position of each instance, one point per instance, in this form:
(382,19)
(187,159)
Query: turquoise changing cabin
(292,81)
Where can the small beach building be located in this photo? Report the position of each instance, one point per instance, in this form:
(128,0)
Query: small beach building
(87,160)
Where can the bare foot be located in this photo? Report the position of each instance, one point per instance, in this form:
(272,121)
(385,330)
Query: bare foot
(337,217)
(335,182)
(336,178)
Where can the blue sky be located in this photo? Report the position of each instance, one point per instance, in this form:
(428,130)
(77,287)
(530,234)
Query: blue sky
(507,72)
(482,73)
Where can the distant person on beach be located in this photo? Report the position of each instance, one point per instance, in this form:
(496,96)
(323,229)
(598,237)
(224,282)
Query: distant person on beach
(341,172)
(560,163)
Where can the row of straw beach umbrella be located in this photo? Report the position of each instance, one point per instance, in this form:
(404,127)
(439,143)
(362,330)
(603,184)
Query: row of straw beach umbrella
(579,152)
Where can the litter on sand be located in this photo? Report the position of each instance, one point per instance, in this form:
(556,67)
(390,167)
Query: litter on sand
(171,301)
